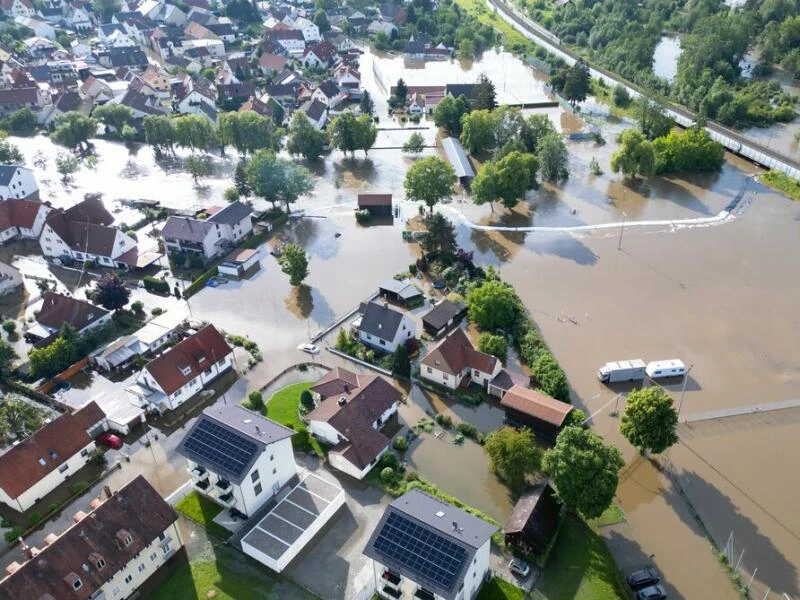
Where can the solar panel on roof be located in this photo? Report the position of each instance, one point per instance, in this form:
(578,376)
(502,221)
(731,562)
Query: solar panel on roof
(222,449)
(433,557)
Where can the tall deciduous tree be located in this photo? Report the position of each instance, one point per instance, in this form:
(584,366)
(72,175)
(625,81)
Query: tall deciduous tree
(7,357)
(506,179)
(305,139)
(493,305)
(276,179)
(576,83)
(366,105)
(198,166)
(66,165)
(449,112)
(477,134)
(294,263)
(349,133)
(653,121)
(584,469)
(485,95)
(111,292)
(496,345)
(74,130)
(650,421)
(10,154)
(401,363)
(553,157)
(194,132)
(635,155)
(430,180)
(401,92)
(514,455)
(440,235)
(247,131)
(114,116)
(159,132)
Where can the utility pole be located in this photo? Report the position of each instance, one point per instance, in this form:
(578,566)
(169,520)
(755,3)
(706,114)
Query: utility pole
(621,231)
(683,388)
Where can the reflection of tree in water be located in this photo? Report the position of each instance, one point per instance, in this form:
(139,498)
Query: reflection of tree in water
(355,171)
(504,244)
(300,301)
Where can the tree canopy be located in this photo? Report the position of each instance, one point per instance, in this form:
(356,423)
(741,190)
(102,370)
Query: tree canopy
(430,180)
(304,139)
(247,131)
(584,469)
(276,179)
(414,144)
(114,116)
(506,179)
(477,131)
(10,154)
(496,345)
(485,94)
(440,236)
(111,292)
(159,132)
(294,262)
(349,133)
(514,455)
(449,112)
(493,305)
(649,421)
(635,155)
(194,132)
(74,130)
(690,150)
(553,157)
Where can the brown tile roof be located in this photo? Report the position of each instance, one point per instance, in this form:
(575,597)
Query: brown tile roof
(272,61)
(455,353)
(367,200)
(536,405)
(336,382)
(527,505)
(58,309)
(90,210)
(45,450)
(362,405)
(363,445)
(136,510)
(84,227)
(197,352)
(15,212)
(18,96)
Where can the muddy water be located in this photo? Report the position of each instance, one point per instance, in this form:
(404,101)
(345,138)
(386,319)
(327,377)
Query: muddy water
(665,57)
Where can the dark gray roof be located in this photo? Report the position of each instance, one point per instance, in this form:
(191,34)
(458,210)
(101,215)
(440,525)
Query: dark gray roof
(402,289)
(109,28)
(209,110)
(7,173)
(329,88)
(457,157)
(314,109)
(428,541)
(228,439)
(380,320)
(461,89)
(232,214)
(186,229)
(439,315)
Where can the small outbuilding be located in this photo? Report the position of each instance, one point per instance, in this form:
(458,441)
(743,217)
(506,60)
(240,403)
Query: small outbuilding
(459,160)
(402,292)
(238,262)
(534,520)
(543,414)
(378,205)
(443,316)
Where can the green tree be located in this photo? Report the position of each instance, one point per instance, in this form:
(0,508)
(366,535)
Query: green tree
(449,112)
(534,130)
(66,165)
(7,357)
(321,21)
(247,131)
(477,133)
(366,105)
(294,263)
(506,179)
(584,469)
(111,292)
(305,139)
(401,363)
(429,180)
(650,421)
(550,377)
(576,83)
(74,130)
(485,95)
(440,236)
(240,179)
(276,179)
(493,305)
(53,358)
(197,166)
(496,345)
(20,122)
(20,417)
(691,150)
(401,92)
(414,144)
(349,133)
(106,8)
(194,132)
(514,455)
(635,155)
(553,157)
(159,132)
(10,154)
(231,194)
(653,122)
(114,116)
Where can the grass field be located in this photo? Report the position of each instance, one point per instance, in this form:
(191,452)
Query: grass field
(611,516)
(284,408)
(510,37)
(499,589)
(783,183)
(579,567)
(202,511)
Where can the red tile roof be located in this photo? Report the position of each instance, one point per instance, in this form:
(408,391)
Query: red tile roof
(194,354)
(44,451)
(367,200)
(537,405)
(336,382)
(15,212)
(363,445)
(455,353)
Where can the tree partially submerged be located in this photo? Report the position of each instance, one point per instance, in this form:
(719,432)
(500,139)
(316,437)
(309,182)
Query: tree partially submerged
(635,156)
(506,179)
(294,262)
(650,421)
(276,179)
(304,139)
(430,180)
(514,455)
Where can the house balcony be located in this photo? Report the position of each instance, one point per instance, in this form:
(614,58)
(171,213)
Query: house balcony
(202,486)
(390,579)
(227,500)
(391,592)
(198,474)
(224,485)
(423,594)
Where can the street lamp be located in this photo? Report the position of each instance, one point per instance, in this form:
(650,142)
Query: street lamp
(683,388)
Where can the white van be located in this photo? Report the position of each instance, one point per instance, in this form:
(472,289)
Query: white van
(665,368)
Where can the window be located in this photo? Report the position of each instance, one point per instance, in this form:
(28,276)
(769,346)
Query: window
(77,584)
(257,489)
(85,452)
(444,376)
(63,468)
(128,540)
(129,578)
(153,556)
(142,567)
(383,342)
(430,370)
(101,562)
(255,476)
(162,536)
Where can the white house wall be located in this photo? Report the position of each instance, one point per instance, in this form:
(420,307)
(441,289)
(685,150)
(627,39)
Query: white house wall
(324,431)
(277,457)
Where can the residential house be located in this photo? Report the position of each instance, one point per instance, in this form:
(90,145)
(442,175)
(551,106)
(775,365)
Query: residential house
(21,218)
(307,27)
(107,552)
(17,181)
(141,105)
(234,220)
(106,30)
(533,409)
(156,333)
(69,101)
(10,279)
(534,520)
(329,94)
(259,107)
(238,458)
(18,8)
(123,56)
(83,233)
(453,360)
(192,97)
(291,40)
(214,47)
(341,42)
(39,27)
(185,234)
(269,64)
(58,310)
(183,371)
(352,411)
(316,112)
(77,18)
(383,327)
(40,46)
(388,29)
(426,548)
(239,262)
(15,98)
(349,80)
(420,47)
(378,205)
(319,56)
(235,93)
(443,316)
(40,463)
(224,31)
(97,89)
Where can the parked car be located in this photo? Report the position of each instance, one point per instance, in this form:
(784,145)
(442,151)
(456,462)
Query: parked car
(110,440)
(519,568)
(310,348)
(654,592)
(643,578)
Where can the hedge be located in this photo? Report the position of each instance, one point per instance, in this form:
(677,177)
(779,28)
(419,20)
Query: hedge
(199,283)
(156,285)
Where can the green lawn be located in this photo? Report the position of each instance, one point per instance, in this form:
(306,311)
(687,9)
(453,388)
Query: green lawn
(499,589)
(510,36)
(579,567)
(202,511)
(611,516)
(782,183)
(284,407)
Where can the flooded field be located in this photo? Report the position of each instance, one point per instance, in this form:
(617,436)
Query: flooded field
(665,57)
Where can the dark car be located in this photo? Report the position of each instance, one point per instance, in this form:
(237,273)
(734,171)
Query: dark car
(654,592)
(110,440)
(643,578)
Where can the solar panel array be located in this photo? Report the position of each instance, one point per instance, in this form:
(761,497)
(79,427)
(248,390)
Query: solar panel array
(223,450)
(430,555)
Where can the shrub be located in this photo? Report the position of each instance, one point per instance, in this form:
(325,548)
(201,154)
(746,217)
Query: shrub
(156,285)
(138,307)
(495,345)
(467,430)
(79,487)
(12,534)
(362,216)
(9,326)
(389,460)
(412,268)
(412,476)
(387,474)
(34,518)
(255,400)
(550,376)
(157,311)
(301,441)
(621,96)
(575,418)
(306,399)
(400,443)
(444,420)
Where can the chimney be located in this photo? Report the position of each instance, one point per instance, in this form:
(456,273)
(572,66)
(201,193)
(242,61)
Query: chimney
(23,546)
(107,491)
(342,401)
(79,516)
(455,526)
(258,430)
(50,539)
(13,568)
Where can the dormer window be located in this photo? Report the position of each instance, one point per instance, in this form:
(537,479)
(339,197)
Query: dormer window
(185,370)
(124,537)
(97,560)
(73,581)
